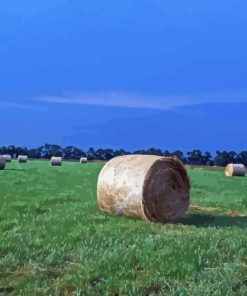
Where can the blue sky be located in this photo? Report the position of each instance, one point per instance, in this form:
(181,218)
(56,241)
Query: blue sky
(72,70)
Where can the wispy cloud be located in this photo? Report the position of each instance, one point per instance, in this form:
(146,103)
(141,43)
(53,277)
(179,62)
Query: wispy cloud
(111,99)
(131,100)
(25,106)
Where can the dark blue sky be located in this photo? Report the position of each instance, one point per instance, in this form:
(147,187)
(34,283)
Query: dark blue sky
(68,69)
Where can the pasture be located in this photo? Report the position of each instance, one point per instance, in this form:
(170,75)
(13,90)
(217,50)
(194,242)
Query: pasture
(55,240)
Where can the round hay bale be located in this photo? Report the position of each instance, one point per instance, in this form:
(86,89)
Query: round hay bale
(150,187)
(83,160)
(7,157)
(22,158)
(2,163)
(233,169)
(56,161)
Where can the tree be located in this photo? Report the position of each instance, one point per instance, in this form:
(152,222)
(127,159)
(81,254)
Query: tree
(72,152)
(12,150)
(19,151)
(166,153)
(243,157)
(78,153)
(233,157)
(221,158)
(179,154)
(3,150)
(100,154)
(57,152)
(34,153)
(120,152)
(195,157)
(47,151)
(91,154)
(154,151)
(139,152)
(108,154)
(50,150)
(104,154)
(207,158)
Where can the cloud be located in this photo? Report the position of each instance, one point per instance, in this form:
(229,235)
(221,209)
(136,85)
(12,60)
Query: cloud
(25,106)
(110,99)
(131,100)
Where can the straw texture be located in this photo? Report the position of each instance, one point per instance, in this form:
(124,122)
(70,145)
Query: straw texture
(233,169)
(150,187)
(56,161)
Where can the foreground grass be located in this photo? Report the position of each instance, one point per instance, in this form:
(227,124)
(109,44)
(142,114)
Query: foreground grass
(55,241)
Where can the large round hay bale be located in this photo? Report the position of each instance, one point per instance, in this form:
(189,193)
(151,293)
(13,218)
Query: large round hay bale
(56,161)
(7,157)
(235,169)
(151,187)
(83,160)
(22,158)
(2,163)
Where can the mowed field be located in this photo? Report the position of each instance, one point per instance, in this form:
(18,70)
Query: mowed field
(55,240)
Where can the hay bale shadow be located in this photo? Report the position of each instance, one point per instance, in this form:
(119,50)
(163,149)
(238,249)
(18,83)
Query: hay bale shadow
(209,220)
(6,290)
(16,170)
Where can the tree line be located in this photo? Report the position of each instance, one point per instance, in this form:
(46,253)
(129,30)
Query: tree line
(194,157)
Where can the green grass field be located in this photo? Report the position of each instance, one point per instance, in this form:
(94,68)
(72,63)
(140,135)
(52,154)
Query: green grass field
(55,240)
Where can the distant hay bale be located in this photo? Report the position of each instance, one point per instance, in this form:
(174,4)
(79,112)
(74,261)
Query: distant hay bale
(56,161)
(233,169)
(22,158)
(2,163)
(7,157)
(150,187)
(83,160)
